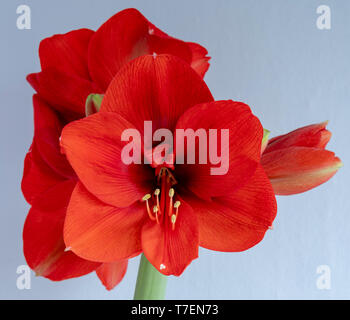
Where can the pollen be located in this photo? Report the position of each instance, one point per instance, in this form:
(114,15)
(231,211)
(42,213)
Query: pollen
(157,192)
(171,192)
(173,220)
(177,204)
(146,197)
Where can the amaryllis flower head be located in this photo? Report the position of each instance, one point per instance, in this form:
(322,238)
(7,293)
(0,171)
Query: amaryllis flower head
(118,211)
(75,65)
(48,182)
(95,212)
(297,161)
(83,61)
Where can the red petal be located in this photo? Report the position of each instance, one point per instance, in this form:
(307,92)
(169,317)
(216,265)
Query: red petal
(43,244)
(198,55)
(298,169)
(313,136)
(199,58)
(168,45)
(171,251)
(245,134)
(66,93)
(99,232)
(112,273)
(238,222)
(67,52)
(119,40)
(47,132)
(93,147)
(157,88)
(152,29)
(125,36)
(161,43)
(38,177)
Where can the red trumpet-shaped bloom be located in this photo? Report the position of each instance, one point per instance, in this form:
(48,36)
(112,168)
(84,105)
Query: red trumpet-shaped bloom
(297,161)
(75,65)
(118,211)
(48,182)
(83,61)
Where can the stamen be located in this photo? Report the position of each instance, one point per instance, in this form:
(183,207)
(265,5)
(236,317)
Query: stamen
(146,198)
(156,193)
(171,195)
(177,204)
(155,211)
(160,205)
(173,220)
(174,216)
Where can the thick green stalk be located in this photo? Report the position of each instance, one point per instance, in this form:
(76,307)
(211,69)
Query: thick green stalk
(151,284)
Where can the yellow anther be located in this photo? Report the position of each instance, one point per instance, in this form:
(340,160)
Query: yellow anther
(157,192)
(177,204)
(155,211)
(174,216)
(171,195)
(173,220)
(146,197)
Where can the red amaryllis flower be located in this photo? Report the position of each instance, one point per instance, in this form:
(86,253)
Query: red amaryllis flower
(82,61)
(48,181)
(297,161)
(110,216)
(75,65)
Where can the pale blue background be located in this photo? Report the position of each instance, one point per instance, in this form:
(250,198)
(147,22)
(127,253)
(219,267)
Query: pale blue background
(268,54)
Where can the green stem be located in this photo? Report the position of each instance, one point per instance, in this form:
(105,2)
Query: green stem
(151,284)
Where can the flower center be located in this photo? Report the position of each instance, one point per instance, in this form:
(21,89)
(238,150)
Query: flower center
(160,204)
